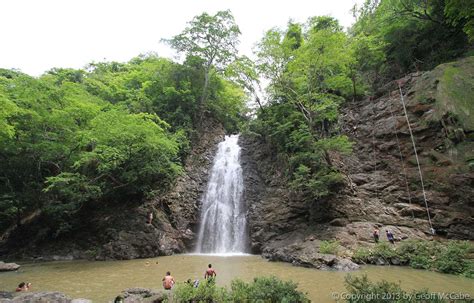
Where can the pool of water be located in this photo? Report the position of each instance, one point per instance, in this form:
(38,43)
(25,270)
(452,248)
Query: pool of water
(102,281)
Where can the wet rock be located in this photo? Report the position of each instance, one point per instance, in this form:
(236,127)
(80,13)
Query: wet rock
(345,265)
(145,295)
(375,193)
(380,261)
(8,266)
(395,261)
(6,295)
(307,254)
(41,297)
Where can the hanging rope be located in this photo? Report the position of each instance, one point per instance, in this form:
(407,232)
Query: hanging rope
(417,160)
(401,161)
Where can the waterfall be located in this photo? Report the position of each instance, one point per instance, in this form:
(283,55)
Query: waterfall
(223,223)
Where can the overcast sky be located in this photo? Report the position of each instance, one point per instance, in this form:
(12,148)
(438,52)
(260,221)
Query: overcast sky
(37,35)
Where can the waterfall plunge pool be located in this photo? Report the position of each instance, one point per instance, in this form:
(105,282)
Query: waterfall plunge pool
(101,281)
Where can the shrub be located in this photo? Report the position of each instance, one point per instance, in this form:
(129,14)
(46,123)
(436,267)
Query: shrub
(362,290)
(380,251)
(262,289)
(419,254)
(446,257)
(329,247)
(451,259)
(385,251)
(469,272)
(205,292)
(362,255)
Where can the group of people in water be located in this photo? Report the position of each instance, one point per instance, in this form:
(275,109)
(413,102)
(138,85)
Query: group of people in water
(209,275)
(389,234)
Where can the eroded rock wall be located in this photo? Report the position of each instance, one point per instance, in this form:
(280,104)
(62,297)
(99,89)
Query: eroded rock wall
(120,230)
(375,192)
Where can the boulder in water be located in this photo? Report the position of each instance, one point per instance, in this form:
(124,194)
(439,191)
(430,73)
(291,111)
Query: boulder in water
(8,266)
(40,297)
(138,294)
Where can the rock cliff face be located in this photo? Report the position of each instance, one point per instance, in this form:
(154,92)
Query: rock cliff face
(120,231)
(285,226)
(176,214)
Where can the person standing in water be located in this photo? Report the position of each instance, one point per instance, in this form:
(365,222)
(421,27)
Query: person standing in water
(210,274)
(168,281)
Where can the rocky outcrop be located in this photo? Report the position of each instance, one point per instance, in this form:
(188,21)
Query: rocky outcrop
(120,230)
(39,297)
(175,213)
(308,255)
(8,266)
(286,226)
(144,295)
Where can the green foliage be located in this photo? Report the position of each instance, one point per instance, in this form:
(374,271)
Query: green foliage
(211,43)
(461,13)
(205,292)
(446,257)
(329,247)
(310,77)
(452,258)
(362,255)
(361,290)
(266,289)
(113,132)
(262,289)
(411,34)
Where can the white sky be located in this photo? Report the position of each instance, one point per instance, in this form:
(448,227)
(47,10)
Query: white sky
(37,35)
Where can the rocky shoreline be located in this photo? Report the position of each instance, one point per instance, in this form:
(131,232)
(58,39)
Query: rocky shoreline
(129,295)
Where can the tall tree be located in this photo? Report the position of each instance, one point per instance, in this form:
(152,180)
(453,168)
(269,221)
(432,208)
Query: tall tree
(213,39)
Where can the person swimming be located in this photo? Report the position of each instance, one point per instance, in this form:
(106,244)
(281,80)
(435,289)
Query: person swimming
(22,287)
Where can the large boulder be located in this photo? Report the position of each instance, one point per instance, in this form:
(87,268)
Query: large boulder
(41,297)
(8,266)
(307,254)
(145,295)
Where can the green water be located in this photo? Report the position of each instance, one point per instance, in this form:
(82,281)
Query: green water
(102,281)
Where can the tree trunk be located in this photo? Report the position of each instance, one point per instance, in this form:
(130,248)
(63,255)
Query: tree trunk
(203,96)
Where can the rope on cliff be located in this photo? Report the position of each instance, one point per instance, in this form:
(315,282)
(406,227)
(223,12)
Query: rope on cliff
(405,175)
(417,160)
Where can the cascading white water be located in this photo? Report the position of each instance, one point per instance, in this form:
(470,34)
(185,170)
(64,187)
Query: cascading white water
(223,222)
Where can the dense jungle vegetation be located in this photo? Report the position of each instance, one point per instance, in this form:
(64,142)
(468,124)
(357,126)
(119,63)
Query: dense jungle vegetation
(120,132)
(315,67)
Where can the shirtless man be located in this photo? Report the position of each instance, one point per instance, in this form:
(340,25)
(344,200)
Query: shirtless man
(168,281)
(210,273)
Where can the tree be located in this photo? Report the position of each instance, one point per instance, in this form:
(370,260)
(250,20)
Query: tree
(309,74)
(461,12)
(212,39)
